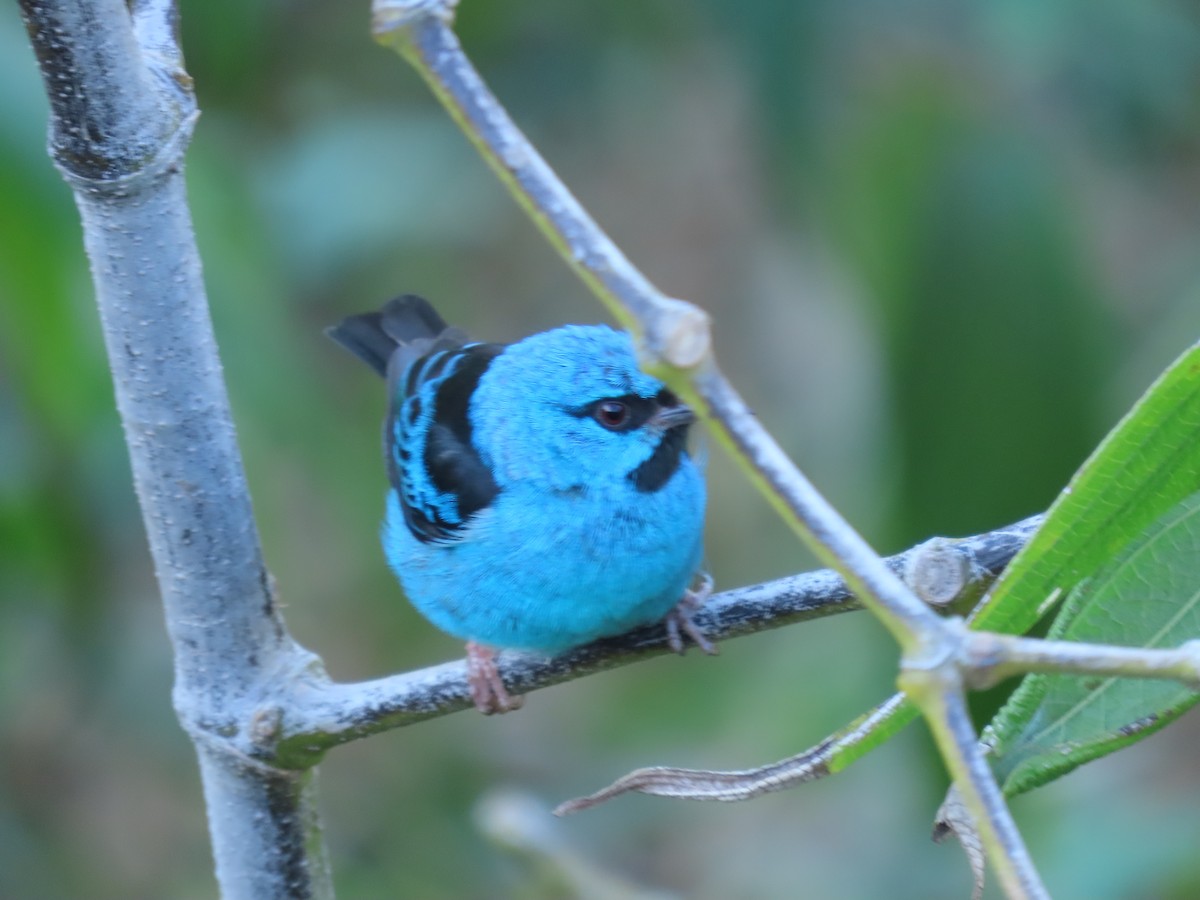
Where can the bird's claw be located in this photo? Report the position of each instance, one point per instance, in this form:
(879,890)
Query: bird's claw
(487,690)
(679,619)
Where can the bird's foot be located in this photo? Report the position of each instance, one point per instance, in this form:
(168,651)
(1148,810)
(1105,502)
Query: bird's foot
(679,619)
(487,690)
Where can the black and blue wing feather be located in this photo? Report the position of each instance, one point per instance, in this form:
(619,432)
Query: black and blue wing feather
(432,372)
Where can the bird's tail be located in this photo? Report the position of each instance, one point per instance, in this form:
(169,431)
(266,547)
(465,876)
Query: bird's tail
(407,322)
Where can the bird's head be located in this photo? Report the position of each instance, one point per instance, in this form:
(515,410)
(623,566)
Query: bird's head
(571,408)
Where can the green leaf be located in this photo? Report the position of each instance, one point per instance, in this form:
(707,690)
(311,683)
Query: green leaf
(1147,596)
(1148,463)
(1145,466)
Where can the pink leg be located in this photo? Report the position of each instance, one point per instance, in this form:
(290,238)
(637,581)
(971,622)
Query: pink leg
(679,619)
(487,690)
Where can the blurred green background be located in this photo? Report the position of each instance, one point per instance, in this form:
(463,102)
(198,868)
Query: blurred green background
(945,245)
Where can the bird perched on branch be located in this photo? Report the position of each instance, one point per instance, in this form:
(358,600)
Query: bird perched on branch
(542,495)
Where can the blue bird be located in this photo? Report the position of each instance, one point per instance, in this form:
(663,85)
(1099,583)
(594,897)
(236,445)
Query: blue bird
(542,495)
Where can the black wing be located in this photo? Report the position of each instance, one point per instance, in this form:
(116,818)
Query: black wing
(432,371)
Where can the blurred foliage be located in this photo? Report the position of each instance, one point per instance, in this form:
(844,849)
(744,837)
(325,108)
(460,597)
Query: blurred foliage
(945,244)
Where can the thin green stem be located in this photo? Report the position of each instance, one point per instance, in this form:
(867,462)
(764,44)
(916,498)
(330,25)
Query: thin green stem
(991,658)
(939,695)
(831,755)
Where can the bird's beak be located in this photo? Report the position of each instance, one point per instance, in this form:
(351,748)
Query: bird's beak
(668,417)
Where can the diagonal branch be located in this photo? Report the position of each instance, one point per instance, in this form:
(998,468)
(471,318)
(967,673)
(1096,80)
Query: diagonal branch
(676,345)
(674,335)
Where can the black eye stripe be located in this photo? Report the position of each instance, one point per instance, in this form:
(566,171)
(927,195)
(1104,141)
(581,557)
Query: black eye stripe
(667,398)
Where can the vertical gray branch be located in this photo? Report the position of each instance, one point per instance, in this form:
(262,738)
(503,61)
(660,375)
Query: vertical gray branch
(121,116)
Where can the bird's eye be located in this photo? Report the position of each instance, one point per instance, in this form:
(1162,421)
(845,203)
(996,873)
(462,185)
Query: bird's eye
(612,414)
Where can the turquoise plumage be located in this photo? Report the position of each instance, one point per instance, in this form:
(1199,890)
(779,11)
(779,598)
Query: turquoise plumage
(542,494)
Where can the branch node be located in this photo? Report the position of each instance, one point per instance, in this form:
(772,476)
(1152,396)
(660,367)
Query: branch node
(936,662)
(937,571)
(681,334)
(980,656)
(165,160)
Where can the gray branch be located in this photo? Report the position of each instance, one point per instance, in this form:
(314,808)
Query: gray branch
(121,115)
(322,714)
(987,659)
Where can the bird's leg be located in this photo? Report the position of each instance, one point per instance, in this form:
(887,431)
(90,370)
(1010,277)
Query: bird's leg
(679,619)
(487,690)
